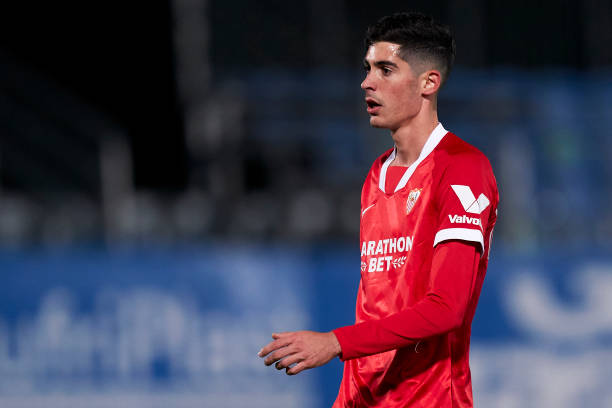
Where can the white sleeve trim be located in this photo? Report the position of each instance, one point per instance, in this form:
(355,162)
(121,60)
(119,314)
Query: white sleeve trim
(464,234)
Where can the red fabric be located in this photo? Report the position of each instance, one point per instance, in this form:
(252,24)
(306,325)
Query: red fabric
(453,273)
(424,253)
(394,174)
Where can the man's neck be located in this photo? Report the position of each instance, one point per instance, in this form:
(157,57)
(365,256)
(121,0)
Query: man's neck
(410,139)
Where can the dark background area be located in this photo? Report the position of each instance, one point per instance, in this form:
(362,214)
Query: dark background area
(119,57)
(177,120)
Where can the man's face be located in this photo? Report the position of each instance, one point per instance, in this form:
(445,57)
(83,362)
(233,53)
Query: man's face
(392,90)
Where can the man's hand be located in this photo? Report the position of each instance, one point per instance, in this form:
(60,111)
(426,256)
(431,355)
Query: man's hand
(305,349)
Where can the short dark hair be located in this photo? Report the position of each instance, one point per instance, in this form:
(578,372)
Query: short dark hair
(419,36)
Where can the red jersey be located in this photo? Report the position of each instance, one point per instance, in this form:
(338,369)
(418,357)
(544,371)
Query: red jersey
(420,282)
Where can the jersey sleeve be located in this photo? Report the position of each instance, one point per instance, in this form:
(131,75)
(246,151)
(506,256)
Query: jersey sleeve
(453,272)
(465,198)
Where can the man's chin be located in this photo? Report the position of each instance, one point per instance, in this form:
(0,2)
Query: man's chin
(376,122)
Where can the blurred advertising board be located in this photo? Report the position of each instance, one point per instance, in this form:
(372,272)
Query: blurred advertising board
(182,326)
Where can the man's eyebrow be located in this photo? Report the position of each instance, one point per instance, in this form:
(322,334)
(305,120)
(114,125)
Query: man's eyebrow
(381,63)
(385,63)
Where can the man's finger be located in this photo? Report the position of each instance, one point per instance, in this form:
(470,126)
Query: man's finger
(289,360)
(281,335)
(299,367)
(278,354)
(273,345)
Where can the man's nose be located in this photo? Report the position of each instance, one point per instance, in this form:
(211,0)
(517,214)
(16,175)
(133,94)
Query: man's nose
(367,83)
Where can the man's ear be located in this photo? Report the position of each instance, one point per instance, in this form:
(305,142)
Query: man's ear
(431,81)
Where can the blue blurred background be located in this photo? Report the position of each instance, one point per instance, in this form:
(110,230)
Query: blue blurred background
(180,179)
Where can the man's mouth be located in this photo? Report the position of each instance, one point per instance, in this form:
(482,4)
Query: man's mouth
(373,105)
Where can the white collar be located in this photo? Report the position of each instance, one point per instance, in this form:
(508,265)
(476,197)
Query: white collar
(432,141)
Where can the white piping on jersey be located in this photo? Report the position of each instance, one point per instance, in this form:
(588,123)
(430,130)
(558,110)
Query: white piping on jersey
(432,141)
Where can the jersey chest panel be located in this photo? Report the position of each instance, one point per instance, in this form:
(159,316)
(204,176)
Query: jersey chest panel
(396,237)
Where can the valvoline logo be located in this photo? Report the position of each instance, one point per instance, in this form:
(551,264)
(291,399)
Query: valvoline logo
(464,219)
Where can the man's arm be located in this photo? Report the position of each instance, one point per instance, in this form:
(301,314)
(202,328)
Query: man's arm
(453,275)
(454,267)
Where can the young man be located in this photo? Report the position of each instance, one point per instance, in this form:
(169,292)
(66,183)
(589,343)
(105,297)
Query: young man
(428,207)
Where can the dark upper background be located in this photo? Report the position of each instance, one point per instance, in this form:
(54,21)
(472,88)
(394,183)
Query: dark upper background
(119,59)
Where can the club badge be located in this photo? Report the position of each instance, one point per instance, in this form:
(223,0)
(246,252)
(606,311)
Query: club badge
(413,196)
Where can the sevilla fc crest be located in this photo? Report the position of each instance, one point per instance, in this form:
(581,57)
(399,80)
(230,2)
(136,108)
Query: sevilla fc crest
(413,196)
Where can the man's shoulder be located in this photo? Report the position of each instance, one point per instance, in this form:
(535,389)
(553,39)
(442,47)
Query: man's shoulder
(456,153)
(459,163)
(457,148)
